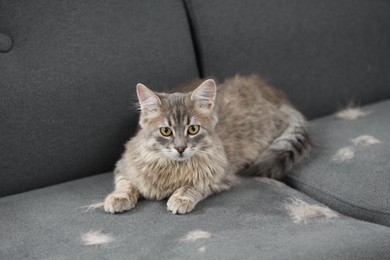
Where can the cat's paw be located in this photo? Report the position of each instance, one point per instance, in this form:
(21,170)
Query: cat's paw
(118,202)
(180,205)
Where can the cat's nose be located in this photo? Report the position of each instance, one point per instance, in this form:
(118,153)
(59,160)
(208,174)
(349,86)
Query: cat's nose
(180,149)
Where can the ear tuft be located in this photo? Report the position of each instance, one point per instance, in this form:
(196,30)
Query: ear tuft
(204,95)
(149,102)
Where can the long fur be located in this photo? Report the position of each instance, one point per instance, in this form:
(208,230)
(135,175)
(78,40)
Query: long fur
(285,151)
(365,140)
(351,113)
(245,126)
(93,238)
(344,154)
(301,211)
(196,235)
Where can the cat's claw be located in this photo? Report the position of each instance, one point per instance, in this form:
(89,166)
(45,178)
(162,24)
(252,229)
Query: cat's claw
(118,202)
(177,205)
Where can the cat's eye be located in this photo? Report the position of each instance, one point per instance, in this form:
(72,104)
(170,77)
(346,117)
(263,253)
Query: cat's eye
(166,131)
(193,129)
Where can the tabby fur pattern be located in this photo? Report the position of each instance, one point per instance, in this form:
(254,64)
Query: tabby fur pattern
(192,144)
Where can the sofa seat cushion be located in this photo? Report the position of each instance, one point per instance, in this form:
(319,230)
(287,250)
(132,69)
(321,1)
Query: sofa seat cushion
(359,185)
(246,222)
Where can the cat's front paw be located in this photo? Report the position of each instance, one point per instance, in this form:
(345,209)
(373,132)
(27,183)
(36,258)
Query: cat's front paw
(180,205)
(118,202)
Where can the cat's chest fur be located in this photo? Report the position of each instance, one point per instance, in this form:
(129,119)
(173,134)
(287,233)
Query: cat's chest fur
(158,181)
(158,178)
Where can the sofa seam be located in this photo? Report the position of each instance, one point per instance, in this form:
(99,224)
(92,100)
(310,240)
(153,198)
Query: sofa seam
(349,202)
(191,21)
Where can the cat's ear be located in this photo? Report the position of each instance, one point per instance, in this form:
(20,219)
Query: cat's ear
(149,102)
(204,95)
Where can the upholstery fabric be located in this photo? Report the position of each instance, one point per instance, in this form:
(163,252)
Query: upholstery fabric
(323,54)
(68,85)
(358,187)
(247,222)
(5,43)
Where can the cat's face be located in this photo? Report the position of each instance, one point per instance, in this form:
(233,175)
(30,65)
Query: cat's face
(178,125)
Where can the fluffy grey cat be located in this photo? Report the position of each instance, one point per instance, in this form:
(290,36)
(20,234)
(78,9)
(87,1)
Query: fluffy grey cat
(191,145)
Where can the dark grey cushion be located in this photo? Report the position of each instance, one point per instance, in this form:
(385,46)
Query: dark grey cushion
(247,222)
(67,96)
(360,186)
(5,42)
(323,54)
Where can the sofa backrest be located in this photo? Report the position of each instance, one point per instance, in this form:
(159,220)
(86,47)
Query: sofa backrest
(323,54)
(67,85)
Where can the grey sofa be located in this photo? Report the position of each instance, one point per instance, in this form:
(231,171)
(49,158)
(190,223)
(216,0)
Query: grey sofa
(68,71)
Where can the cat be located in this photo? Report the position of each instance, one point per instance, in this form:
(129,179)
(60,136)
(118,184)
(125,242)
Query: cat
(192,144)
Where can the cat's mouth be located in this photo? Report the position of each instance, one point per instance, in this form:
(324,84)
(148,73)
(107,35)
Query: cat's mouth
(177,156)
(181,156)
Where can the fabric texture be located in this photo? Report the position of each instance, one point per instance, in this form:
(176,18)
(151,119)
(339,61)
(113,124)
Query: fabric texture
(358,186)
(68,98)
(246,222)
(5,43)
(323,54)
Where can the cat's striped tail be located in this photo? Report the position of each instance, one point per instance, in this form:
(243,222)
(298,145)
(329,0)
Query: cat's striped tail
(285,151)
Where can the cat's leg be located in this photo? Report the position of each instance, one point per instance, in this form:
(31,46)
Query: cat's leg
(184,199)
(123,198)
